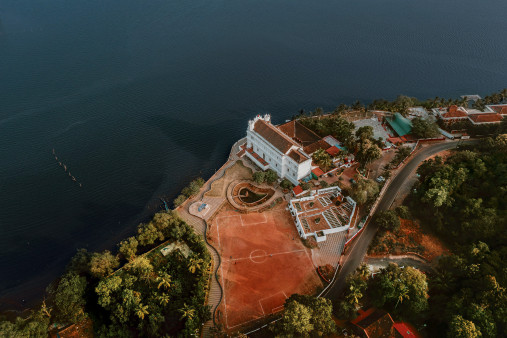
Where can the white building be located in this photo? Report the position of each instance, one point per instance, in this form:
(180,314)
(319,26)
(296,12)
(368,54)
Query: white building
(271,148)
(325,212)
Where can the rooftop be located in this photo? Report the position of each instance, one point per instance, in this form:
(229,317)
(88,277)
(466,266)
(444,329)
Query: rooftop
(401,125)
(486,118)
(375,323)
(274,136)
(321,144)
(320,212)
(299,133)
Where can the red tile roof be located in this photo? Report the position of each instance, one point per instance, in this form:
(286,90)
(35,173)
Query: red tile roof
(257,157)
(299,133)
(297,156)
(297,190)
(317,171)
(375,323)
(274,136)
(333,151)
(405,330)
(485,118)
(454,112)
(321,144)
(500,109)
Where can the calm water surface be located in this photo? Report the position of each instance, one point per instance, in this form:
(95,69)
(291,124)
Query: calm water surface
(138,97)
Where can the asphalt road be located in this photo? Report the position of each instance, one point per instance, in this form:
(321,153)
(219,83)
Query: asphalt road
(356,253)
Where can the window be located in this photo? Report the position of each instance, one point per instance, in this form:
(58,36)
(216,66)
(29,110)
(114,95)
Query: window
(288,169)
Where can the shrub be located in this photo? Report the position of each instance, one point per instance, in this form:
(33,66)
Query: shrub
(305,185)
(271,176)
(259,177)
(179,200)
(286,184)
(403,212)
(324,184)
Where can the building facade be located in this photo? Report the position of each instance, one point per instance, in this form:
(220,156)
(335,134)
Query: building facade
(270,148)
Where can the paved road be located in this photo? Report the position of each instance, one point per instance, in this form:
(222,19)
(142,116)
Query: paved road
(358,250)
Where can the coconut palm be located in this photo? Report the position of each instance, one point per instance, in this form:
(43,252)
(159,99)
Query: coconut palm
(142,310)
(319,155)
(164,281)
(187,312)
(326,162)
(194,264)
(163,299)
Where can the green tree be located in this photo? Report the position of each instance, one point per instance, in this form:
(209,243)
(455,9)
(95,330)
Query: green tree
(271,176)
(259,177)
(179,200)
(364,133)
(69,298)
(424,129)
(187,312)
(462,328)
(194,264)
(128,248)
(103,264)
(306,315)
(296,321)
(164,281)
(367,152)
(286,184)
(388,220)
(401,290)
(364,191)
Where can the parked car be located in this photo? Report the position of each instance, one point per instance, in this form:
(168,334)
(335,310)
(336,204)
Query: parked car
(380,179)
(353,181)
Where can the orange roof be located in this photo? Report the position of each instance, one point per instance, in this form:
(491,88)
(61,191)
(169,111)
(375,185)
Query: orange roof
(333,151)
(454,112)
(321,144)
(317,171)
(485,118)
(503,111)
(299,133)
(375,323)
(297,190)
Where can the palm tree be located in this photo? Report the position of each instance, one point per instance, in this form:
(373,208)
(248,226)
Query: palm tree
(142,310)
(194,264)
(187,312)
(319,155)
(163,299)
(403,294)
(326,162)
(164,281)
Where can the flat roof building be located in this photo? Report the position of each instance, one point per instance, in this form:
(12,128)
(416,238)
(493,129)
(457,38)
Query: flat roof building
(326,211)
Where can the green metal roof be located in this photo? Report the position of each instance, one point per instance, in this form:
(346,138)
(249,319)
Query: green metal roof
(401,125)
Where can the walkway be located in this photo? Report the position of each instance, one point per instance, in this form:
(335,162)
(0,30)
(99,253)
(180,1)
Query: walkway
(215,293)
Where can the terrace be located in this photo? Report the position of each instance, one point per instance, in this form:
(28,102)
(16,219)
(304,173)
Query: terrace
(325,212)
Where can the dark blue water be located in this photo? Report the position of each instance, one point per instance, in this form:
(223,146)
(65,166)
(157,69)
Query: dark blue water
(138,97)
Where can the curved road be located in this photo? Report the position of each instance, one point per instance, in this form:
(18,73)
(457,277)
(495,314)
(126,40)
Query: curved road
(359,247)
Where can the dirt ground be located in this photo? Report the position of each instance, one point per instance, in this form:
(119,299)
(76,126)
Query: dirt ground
(237,172)
(410,238)
(263,263)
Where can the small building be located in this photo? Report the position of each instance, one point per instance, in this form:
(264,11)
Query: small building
(374,323)
(401,125)
(452,114)
(325,212)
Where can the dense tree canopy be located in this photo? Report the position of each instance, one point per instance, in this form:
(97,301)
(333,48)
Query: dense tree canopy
(305,316)
(463,199)
(423,128)
(364,191)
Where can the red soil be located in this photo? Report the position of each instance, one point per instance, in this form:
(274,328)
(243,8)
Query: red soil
(263,263)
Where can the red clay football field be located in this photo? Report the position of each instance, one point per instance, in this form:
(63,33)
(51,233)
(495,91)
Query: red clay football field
(263,263)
